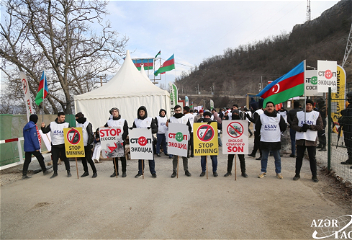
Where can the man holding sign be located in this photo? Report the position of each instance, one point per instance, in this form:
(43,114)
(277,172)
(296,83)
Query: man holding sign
(180,118)
(87,141)
(116,121)
(205,135)
(143,121)
(56,130)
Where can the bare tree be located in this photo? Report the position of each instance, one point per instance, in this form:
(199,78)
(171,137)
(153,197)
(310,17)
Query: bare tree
(67,38)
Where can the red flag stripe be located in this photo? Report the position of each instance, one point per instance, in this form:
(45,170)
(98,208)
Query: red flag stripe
(286,84)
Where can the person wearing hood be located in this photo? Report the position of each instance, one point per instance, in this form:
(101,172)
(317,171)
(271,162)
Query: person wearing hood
(31,146)
(117,121)
(306,124)
(56,129)
(236,116)
(190,116)
(254,119)
(249,113)
(143,121)
(321,133)
(214,158)
(270,125)
(88,138)
(345,122)
(290,116)
(178,117)
(162,131)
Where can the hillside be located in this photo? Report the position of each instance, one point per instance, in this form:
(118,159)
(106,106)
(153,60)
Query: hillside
(239,71)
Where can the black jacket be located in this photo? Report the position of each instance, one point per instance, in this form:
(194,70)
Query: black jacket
(282,125)
(153,125)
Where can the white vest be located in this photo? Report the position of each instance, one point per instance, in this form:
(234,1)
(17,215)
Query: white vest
(116,123)
(259,112)
(145,123)
(190,118)
(162,128)
(311,119)
(182,120)
(57,132)
(270,130)
(284,115)
(84,131)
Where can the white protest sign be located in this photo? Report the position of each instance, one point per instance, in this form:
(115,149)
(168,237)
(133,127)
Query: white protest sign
(178,136)
(141,143)
(235,137)
(111,142)
(311,83)
(327,76)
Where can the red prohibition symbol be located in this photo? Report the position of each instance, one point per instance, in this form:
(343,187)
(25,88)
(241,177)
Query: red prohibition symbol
(73,136)
(205,133)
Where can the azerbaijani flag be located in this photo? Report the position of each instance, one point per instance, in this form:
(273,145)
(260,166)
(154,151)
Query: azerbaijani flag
(285,87)
(168,65)
(148,63)
(158,54)
(42,90)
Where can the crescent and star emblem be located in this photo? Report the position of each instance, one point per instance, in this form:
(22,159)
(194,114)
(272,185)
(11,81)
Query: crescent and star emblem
(276,90)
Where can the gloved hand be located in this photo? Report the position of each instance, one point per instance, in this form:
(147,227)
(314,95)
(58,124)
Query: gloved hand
(305,127)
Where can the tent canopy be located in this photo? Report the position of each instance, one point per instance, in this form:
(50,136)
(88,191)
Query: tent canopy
(127,90)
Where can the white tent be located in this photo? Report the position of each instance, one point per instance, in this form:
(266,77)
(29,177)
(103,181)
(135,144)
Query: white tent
(127,90)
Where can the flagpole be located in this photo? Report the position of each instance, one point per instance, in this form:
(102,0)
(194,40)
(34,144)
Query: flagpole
(43,95)
(304,84)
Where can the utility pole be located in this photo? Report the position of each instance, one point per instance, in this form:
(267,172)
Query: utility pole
(308,11)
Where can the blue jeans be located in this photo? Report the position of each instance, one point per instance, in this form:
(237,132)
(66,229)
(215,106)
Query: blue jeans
(293,141)
(214,160)
(161,139)
(264,161)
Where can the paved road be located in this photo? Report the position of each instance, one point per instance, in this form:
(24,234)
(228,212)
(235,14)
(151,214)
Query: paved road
(183,208)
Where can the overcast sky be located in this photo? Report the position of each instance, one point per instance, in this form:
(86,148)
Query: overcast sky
(196,30)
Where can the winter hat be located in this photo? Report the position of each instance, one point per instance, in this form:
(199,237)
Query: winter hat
(201,111)
(309,101)
(33,118)
(207,113)
(79,115)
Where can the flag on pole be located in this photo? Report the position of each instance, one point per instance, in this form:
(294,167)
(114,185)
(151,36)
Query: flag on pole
(147,63)
(42,90)
(168,65)
(158,54)
(285,87)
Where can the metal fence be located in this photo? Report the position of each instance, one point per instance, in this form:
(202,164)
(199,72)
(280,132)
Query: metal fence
(337,151)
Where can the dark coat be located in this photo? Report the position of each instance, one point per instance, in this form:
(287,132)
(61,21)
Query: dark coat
(31,142)
(282,125)
(317,127)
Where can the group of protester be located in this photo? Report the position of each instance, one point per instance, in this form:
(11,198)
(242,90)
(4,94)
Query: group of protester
(306,125)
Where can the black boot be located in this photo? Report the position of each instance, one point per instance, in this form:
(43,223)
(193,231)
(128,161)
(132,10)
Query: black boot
(323,148)
(85,174)
(243,168)
(69,173)
(54,175)
(348,161)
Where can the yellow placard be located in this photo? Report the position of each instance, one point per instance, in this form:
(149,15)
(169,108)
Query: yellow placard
(74,146)
(205,137)
(338,98)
